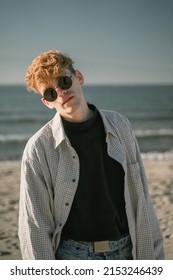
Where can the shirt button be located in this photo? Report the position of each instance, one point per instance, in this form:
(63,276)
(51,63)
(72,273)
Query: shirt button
(74,157)
(74,180)
(66,204)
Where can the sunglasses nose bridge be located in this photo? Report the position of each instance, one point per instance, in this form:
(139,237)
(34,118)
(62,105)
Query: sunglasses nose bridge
(60,91)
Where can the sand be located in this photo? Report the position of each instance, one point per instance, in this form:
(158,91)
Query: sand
(160,178)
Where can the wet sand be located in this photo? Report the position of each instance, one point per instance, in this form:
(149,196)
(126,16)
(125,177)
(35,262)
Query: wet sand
(160,179)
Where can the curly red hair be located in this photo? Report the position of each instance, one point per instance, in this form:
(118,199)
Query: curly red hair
(47,67)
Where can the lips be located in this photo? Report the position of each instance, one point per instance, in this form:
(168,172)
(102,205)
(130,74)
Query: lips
(67,99)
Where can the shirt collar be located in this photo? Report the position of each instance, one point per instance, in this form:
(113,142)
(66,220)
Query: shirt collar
(109,123)
(59,132)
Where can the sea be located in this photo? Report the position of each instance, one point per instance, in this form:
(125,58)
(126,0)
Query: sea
(149,108)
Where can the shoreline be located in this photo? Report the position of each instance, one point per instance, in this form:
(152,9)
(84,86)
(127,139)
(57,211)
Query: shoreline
(160,179)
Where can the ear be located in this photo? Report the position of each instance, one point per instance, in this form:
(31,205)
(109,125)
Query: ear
(80,77)
(47,103)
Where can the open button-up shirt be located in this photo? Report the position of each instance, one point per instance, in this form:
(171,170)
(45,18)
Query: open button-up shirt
(49,179)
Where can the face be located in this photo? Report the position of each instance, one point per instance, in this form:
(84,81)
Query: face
(69,101)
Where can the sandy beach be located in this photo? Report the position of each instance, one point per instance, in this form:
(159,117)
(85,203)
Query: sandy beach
(160,178)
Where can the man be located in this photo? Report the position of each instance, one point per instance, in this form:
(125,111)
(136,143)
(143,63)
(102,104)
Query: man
(83,192)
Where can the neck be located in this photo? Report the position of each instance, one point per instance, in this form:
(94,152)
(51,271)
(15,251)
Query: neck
(80,115)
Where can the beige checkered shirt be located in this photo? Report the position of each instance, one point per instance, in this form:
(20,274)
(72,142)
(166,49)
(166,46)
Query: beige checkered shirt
(49,179)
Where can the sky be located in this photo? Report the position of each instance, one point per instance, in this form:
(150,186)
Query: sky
(111,41)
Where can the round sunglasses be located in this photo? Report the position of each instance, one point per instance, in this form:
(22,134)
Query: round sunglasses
(63,82)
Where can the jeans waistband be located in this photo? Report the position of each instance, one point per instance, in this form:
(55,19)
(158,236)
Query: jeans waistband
(101,246)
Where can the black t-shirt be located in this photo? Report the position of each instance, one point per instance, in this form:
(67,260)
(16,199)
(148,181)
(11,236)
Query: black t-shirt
(98,210)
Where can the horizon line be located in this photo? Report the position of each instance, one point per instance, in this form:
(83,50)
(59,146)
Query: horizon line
(106,84)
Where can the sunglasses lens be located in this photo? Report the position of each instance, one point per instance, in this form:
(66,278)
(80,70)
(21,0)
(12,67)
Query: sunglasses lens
(64,82)
(50,94)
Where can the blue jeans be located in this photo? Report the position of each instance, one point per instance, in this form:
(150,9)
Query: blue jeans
(78,250)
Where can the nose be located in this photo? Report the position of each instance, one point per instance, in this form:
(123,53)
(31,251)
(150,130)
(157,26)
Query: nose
(60,91)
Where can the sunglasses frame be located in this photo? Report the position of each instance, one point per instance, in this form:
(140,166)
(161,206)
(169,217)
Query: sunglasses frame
(63,82)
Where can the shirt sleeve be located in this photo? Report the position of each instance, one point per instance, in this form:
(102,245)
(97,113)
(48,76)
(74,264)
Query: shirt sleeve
(36,221)
(155,227)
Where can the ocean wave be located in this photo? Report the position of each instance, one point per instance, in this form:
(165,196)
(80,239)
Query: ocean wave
(14,138)
(16,120)
(158,156)
(9,141)
(139,134)
(154,132)
(150,117)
